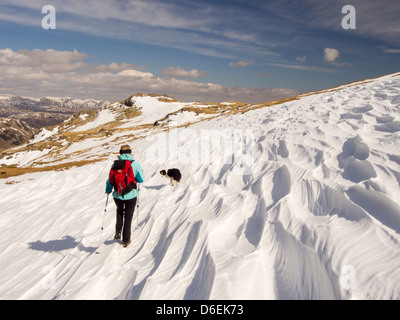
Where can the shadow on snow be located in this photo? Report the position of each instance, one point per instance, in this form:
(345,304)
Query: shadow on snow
(65,243)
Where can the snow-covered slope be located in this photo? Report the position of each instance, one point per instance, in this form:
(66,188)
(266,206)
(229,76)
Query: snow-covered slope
(308,209)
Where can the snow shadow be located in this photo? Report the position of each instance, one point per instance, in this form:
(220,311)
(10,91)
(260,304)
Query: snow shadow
(377,205)
(155,187)
(353,161)
(158,254)
(282,183)
(202,283)
(65,243)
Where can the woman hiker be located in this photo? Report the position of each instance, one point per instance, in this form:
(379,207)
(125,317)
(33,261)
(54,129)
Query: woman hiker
(125,201)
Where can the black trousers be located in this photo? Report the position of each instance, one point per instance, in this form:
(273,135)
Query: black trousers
(125,209)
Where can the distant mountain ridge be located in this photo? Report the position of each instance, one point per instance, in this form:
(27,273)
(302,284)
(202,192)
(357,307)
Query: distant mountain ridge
(24,116)
(46,111)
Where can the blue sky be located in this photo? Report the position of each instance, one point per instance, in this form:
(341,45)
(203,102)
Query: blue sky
(249,51)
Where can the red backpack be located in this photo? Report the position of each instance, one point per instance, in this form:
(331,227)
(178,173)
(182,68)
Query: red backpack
(122,177)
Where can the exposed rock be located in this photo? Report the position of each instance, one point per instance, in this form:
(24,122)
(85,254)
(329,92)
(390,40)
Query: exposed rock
(15,132)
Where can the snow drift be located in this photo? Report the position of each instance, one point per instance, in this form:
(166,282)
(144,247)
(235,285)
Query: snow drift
(315,214)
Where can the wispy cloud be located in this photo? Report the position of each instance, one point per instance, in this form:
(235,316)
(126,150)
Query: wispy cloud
(240,64)
(375,19)
(267,74)
(301,59)
(301,67)
(190,26)
(210,28)
(148,12)
(391,50)
(241,31)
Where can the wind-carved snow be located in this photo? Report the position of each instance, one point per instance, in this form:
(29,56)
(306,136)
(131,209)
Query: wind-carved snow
(317,217)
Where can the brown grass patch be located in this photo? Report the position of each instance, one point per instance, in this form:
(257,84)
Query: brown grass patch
(13,170)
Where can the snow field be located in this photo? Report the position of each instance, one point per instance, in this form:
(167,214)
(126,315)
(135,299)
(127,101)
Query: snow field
(317,218)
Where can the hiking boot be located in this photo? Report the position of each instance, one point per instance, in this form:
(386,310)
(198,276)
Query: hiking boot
(126,244)
(117,235)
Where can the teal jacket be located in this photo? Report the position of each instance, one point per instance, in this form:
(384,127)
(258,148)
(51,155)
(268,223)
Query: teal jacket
(137,171)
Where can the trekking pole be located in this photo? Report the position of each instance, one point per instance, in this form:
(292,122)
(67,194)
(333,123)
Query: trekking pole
(137,216)
(102,224)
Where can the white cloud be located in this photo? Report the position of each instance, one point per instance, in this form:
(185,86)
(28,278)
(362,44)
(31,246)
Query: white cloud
(240,64)
(46,60)
(112,67)
(178,72)
(39,73)
(135,74)
(331,55)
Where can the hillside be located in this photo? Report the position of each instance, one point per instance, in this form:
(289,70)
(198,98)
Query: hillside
(15,132)
(297,199)
(96,132)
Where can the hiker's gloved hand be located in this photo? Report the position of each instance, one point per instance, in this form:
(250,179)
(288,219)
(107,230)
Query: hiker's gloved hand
(109,189)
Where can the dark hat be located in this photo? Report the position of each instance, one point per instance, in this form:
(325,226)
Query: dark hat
(125,149)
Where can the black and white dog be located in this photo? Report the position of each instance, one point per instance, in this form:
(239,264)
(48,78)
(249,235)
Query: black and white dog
(174,175)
